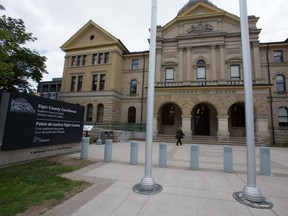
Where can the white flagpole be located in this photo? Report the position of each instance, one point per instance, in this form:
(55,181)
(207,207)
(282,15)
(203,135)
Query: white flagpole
(250,191)
(148,183)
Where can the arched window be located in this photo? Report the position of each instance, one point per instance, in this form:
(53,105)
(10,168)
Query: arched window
(280,83)
(201,70)
(133,86)
(168,114)
(89,113)
(100,113)
(283,117)
(132,115)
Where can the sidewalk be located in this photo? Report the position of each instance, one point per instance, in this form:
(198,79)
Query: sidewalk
(207,191)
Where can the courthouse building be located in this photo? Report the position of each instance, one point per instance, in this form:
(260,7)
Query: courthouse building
(198,82)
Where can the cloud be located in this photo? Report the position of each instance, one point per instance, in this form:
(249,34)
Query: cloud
(53,22)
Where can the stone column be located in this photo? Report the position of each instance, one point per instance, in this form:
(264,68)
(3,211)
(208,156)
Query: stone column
(262,130)
(222,62)
(158,65)
(223,132)
(256,60)
(180,64)
(213,63)
(155,126)
(188,65)
(186,126)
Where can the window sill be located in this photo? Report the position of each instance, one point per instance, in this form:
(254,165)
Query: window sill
(133,95)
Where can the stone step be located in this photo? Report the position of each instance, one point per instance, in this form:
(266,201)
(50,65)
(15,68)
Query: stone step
(205,140)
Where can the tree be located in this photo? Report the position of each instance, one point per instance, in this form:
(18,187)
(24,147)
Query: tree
(18,64)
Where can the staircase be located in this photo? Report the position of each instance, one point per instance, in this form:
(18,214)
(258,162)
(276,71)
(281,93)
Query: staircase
(237,141)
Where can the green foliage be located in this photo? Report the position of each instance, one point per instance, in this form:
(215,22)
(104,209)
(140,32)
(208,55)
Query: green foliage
(18,64)
(26,185)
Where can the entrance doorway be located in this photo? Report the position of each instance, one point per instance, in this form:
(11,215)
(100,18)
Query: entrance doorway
(169,118)
(201,120)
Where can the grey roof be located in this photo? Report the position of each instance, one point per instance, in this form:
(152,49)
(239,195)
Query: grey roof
(193,2)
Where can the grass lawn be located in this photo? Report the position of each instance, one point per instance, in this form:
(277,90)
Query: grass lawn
(25,185)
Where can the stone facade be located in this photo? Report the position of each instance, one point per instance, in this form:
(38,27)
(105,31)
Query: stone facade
(198,82)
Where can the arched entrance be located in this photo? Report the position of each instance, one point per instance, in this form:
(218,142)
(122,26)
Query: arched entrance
(201,115)
(237,120)
(204,120)
(169,118)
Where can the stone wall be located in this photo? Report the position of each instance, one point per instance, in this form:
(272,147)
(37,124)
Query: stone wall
(20,155)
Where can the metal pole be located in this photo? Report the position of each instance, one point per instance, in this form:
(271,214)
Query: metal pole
(147,182)
(250,191)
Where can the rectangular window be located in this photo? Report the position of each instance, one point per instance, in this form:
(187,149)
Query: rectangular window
(278,55)
(135,64)
(79,84)
(78,60)
(102,82)
(94,82)
(45,88)
(201,73)
(73,82)
(84,58)
(169,75)
(73,61)
(106,58)
(52,88)
(283,117)
(100,58)
(235,72)
(94,59)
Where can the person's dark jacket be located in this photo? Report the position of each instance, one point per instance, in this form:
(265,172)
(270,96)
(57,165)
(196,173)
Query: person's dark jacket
(179,134)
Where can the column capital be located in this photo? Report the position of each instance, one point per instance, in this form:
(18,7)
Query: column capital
(255,43)
(221,46)
(223,116)
(186,116)
(213,46)
(159,50)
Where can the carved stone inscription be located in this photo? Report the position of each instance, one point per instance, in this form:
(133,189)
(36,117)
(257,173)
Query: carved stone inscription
(208,92)
(200,51)
(232,51)
(200,28)
(170,55)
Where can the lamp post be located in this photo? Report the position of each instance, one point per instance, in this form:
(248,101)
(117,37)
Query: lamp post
(147,184)
(251,194)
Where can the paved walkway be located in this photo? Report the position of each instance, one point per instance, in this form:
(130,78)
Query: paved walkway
(207,191)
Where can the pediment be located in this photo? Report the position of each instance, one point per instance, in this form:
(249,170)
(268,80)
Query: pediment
(201,18)
(199,9)
(90,35)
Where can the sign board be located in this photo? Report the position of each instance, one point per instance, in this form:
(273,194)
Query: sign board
(28,121)
(87,127)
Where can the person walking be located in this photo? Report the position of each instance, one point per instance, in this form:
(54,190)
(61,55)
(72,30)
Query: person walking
(179,136)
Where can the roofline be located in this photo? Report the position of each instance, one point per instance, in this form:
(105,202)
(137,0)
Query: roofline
(145,52)
(90,22)
(275,43)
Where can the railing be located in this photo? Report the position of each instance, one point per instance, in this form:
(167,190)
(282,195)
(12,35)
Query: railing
(120,126)
(201,83)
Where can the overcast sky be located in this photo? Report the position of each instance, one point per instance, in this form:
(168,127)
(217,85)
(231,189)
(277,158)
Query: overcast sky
(53,22)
